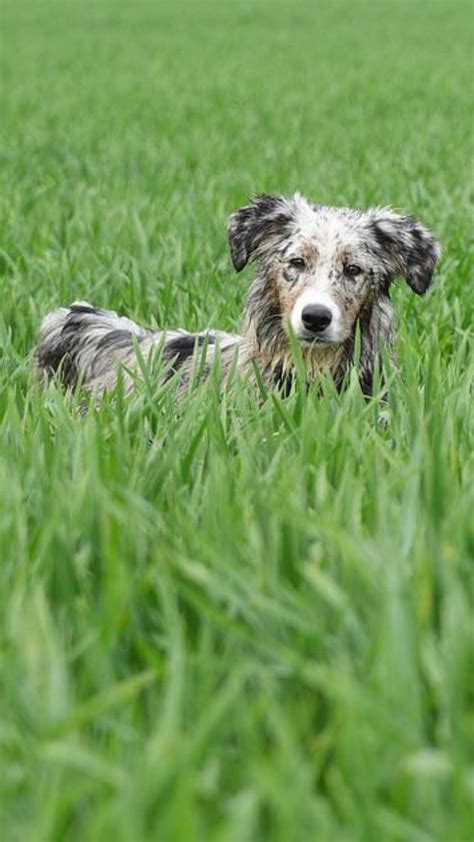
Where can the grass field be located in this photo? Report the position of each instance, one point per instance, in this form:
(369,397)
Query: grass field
(238,621)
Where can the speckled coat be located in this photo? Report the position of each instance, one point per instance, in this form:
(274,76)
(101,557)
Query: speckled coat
(308,258)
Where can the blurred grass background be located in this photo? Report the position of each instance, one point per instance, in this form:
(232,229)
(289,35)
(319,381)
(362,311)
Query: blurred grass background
(236,621)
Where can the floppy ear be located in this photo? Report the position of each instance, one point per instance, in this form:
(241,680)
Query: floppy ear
(410,249)
(249,226)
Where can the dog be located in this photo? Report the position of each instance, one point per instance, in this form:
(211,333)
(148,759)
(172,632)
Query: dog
(323,275)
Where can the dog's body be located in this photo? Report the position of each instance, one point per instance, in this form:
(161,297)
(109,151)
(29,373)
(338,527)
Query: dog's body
(88,345)
(321,272)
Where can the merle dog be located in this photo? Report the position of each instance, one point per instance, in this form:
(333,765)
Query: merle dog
(320,272)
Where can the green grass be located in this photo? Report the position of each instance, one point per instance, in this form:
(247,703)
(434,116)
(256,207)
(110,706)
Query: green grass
(236,621)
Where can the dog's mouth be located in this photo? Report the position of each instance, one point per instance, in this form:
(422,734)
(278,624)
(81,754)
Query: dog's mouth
(306,337)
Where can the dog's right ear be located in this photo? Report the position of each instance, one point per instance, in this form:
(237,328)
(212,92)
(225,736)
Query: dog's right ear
(249,226)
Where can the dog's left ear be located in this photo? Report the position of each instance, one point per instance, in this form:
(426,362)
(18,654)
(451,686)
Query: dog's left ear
(409,248)
(251,225)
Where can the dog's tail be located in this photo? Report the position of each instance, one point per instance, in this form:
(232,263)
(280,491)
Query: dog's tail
(82,343)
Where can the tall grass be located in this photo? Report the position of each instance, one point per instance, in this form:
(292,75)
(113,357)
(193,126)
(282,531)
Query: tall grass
(237,618)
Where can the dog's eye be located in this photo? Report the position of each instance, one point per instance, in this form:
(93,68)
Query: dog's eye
(352,270)
(297,263)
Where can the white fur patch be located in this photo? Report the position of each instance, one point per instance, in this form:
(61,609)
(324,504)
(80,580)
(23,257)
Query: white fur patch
(319,294)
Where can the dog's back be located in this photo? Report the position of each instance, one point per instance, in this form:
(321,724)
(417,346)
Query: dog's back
(87,345)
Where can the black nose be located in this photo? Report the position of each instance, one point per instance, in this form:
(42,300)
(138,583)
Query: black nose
(316,317)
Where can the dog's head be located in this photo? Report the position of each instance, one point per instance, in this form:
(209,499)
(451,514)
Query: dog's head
(324,265)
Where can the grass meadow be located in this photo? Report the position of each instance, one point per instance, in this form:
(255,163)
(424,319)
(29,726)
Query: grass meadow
(237,619)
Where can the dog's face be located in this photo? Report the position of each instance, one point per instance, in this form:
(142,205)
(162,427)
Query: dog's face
(323,265)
